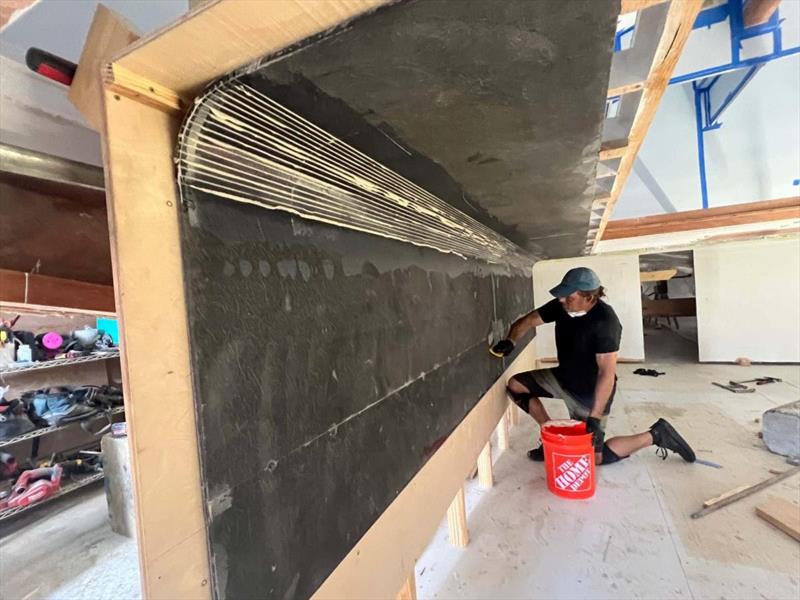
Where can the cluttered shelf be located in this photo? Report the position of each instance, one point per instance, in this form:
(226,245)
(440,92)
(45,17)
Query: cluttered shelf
(52,429)
(75,484)
(59,362)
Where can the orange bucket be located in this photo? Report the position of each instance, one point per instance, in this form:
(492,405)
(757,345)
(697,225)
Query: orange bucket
(569,459)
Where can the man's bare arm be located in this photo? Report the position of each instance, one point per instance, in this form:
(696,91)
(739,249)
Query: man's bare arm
(523,325)
(607,369)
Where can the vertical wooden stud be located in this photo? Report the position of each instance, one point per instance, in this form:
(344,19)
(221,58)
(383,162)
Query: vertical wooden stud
(513,414)
(457,521)
(409,589)
(485,478)
(502,432)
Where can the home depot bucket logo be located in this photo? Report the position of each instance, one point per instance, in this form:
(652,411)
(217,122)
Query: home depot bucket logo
(572,473)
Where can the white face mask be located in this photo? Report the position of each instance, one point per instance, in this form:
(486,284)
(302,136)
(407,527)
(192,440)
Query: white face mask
(580,313)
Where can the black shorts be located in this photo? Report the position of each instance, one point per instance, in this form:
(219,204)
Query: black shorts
(543,383)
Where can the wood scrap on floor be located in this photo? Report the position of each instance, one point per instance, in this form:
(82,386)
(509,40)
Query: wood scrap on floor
(782,514)
(724,495)
(733,495)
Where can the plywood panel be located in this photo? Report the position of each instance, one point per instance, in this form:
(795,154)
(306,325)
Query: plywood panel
(108,35)
(220,36)
(148,278)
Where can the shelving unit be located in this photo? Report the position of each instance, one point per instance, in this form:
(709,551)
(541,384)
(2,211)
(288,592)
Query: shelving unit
(75,484)
(68,437)
(47,430)
(59,362)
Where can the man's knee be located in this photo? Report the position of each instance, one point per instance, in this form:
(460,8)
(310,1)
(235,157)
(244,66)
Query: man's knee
(608,456)
(519,394)
(516,387)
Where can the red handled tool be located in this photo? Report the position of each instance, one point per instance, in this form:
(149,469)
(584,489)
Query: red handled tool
(51,66)
(33,486)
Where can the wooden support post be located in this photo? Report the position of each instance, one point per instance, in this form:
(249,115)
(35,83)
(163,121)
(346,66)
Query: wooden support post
(757,12)
(502,432)
(485,477)
(457,521)
(513,414)
(409,589)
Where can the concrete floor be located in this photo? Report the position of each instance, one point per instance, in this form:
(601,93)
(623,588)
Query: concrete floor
(634,539)
(66,550)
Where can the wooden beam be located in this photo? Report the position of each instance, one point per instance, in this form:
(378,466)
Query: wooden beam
(612,152)
(670,307)
(57,311)
(220,36)
(634,5)
(485,475)
(657,275)
(31,288)
(502,433)
(750,235)
(143,205)
(512,413)
(757,12)
(125,83)
(409,589)
(457,521)
(628,88)
(723,216)
(678,26)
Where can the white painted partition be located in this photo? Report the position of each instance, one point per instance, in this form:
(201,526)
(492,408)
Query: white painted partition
(748,301)
(619,274)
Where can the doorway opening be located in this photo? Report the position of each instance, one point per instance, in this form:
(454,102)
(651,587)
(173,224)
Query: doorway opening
(669,311)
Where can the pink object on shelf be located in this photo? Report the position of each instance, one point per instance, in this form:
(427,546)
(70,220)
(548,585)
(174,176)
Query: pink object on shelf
(52,340)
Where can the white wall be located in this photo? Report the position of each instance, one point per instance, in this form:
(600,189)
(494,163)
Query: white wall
(619,274)
(748,301)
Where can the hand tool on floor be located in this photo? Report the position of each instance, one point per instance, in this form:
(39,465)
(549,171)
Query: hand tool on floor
(707,463)
(736,388)
(739,493)
(760,380)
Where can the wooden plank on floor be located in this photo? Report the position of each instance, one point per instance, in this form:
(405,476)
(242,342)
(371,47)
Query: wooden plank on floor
(782,514)
(725,495)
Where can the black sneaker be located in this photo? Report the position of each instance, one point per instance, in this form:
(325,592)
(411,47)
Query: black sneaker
(537,454)
(666,438)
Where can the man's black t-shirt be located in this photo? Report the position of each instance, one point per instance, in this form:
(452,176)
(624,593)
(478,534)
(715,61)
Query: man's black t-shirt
(578,339)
